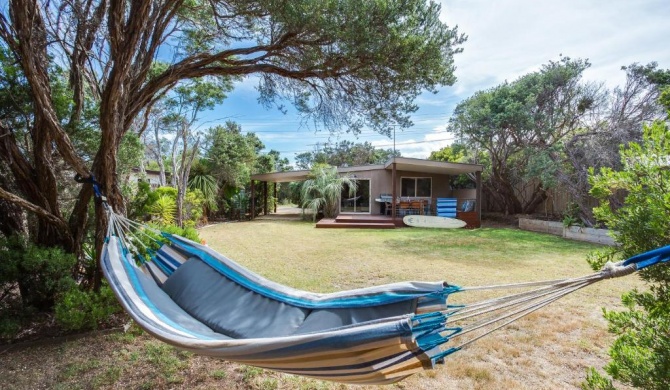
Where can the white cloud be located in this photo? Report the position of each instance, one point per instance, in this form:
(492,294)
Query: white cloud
(511,38)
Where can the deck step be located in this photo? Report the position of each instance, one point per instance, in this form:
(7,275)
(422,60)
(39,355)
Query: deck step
(329,223)
(362,219)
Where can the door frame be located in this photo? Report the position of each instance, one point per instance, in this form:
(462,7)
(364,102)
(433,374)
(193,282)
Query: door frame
(369,200)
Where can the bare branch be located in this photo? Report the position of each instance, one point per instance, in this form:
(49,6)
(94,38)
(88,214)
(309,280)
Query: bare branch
(39,211)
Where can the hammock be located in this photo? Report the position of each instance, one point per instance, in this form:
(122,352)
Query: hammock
(196,299)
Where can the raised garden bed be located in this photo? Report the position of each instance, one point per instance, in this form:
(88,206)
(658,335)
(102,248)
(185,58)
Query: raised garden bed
(597,236)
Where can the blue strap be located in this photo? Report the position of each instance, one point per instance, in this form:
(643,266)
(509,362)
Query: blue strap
(96,187)
(656,256)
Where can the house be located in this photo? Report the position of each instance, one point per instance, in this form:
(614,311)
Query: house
(415,184)
(148,175)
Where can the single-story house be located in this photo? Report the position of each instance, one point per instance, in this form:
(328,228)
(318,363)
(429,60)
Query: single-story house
(415,184)
(148,175)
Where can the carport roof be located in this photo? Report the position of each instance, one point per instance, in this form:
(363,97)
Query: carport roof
(402,164)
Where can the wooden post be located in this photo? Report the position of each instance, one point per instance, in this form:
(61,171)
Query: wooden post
(275,196)
(393,190)
(478,201)
(265,198)
(253,200)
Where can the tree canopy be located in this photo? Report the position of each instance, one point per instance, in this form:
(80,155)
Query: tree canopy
(520,124)
(344,64)
(548,127)
(344,153)
(640,355)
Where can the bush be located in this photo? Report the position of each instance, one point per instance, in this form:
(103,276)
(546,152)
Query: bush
(640,356)
(187,232)
(10,325)
(163,210)
(239,205)
(161,206)
(194,204)
(83,310)
(39,273)
(137,206)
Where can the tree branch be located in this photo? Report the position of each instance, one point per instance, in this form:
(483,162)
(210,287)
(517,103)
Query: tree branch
(31,49)
(39,211)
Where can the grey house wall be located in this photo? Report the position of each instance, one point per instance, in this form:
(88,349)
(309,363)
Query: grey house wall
(380,179)
(380,183)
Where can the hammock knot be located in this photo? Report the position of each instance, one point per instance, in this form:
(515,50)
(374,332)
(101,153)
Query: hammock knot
(614,270)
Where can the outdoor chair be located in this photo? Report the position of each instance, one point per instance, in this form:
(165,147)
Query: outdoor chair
(404,208)
(388,206)
(416,207)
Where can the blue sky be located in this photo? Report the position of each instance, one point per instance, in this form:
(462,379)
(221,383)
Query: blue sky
(506,39)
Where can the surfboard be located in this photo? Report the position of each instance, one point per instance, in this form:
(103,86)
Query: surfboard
(429,221)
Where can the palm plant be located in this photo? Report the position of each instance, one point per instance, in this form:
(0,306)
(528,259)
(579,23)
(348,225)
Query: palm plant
(164,210)
(322,191)
(208,186)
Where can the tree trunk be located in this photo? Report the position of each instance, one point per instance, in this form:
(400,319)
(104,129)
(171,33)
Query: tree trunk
(185,170)
(13,221)
(539,195)
(505,190)
(159,159)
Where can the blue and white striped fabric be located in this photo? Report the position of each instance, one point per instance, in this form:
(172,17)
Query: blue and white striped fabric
(375,351)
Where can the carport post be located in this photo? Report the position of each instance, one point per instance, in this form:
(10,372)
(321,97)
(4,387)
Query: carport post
(478,203)
(253,200)
(275,195)
(265,198)
(393,190)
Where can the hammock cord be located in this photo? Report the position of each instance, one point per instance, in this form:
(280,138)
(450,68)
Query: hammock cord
(488,314)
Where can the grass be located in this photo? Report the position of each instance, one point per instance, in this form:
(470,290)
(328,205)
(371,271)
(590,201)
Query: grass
(549,349)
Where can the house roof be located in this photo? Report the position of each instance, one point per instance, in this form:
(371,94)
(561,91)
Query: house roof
(402,164)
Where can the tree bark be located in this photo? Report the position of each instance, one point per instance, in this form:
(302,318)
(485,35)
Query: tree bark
(539,195)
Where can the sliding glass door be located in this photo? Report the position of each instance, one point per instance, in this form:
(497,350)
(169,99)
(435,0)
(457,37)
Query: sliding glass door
(359,202)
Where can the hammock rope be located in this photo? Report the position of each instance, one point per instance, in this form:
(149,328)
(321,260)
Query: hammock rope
(194,298)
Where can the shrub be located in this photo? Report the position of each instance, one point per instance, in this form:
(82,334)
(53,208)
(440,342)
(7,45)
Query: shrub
(238,205)
(40,273)
(321,192)
(641,353)
(31,279)
(186,232)
(161,205)
(137,207)
(194,204)
(82,310)
(163,210)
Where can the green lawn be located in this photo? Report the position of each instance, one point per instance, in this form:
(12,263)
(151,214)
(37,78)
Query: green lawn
(549,349)
(324,260)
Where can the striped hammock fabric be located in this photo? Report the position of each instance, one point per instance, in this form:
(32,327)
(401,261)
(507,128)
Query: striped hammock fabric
(196,299)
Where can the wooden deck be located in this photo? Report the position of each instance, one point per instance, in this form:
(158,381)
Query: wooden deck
(359,221)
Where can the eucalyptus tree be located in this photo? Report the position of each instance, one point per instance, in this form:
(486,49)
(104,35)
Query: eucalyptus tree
(184,105)
(344,63)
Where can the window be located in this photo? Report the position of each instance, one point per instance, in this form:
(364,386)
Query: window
(416,186)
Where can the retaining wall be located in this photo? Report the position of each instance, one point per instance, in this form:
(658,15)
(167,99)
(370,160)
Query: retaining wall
(598,236)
